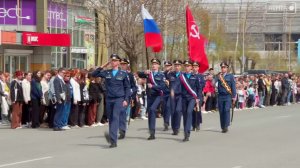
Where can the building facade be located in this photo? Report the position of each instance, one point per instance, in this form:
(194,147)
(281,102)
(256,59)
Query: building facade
(45,34)
(271,27)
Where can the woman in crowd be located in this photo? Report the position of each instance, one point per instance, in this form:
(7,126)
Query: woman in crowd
(45,98)
(26,86)
(36,98)
(52,99)
(94,96)
(298,90)
(268,91)
(17,100)
(67,103)
(84,94)
(73,120)
(3,99)
(210,94)
(100,107)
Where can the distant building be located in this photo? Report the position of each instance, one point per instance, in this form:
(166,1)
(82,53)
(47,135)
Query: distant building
(272,25)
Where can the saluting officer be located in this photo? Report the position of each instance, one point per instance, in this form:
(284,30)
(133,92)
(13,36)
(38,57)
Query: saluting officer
(133,90)
(190,97)
(175,99)
(117,97)
(197,116)
(155,86)
(166,110)
(226,95)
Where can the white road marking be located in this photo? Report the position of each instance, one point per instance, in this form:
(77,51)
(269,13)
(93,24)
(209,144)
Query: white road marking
(237,167)
(26,161)
(285,116)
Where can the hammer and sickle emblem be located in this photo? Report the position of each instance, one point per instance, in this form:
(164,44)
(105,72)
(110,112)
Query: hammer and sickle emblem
(194,33)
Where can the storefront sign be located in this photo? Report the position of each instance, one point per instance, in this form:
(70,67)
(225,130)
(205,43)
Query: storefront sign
(57,15)
(281,7)
(83,20)
(44,39)
(79,50)
(14,13)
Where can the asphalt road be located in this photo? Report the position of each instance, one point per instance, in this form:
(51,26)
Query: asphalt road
(260,138)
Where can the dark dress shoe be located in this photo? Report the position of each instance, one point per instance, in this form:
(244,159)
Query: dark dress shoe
(107,137)
(58,129)
(175,132)
(151,137)
(186,139)
(122,135)
(225,130)
(166,127)
(113,145)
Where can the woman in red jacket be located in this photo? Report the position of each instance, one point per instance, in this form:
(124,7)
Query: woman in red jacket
(209,92)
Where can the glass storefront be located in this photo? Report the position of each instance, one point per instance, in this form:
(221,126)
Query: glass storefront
(80,25)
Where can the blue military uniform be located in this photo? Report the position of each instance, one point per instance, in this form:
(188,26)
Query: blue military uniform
(166,91)
(175,102)
(189,101)
(225,98)
(117,90)
(126,111)
(197,115)
(154,96)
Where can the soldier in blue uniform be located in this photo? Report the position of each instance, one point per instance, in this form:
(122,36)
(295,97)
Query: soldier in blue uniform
(175,99)
(197,116)
(226,95)
(117,96)
(155,87)
(133,90)
(190,97)
(166,110)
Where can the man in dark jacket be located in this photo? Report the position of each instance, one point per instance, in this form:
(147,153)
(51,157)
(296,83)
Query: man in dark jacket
(261,90)
(285,88)
(60,94)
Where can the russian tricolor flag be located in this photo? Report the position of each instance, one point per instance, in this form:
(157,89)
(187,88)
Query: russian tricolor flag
(152,33)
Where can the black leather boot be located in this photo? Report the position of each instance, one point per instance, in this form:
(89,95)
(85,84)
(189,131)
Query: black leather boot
(122,134)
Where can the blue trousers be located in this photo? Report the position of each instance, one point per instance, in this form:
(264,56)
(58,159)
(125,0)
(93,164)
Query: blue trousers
(175,106)
(153,103)
(224,104)
(113,108)
(187,112)
(123,118)
(59,115)
(166,110)
(197,118)
(66,113)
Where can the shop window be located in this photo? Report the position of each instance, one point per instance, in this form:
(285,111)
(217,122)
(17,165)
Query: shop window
(79,61)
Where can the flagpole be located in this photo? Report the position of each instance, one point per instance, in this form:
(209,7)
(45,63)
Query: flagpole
(147,58)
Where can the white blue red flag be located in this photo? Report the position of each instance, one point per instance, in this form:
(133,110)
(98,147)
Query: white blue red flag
(152,33)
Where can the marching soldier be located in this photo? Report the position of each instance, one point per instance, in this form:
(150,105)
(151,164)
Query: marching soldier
(175,99)
(190,97)
(155,87)
(166,110)
(133,88)
(117,97)
(226,95)
(197,116)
